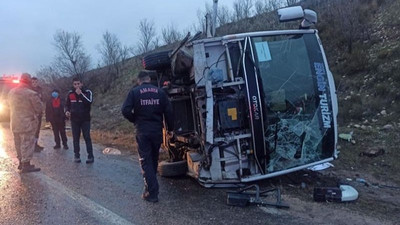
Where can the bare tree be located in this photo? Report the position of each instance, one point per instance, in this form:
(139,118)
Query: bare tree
(273,5)
(125,53)
(49,74)
(263,6)
(110,50)
(147,36)
(201,20)
(291,2)
(223,16)
(170,34)
(260,7)
(156,42)
(242,9)
(346,14)
(71,58)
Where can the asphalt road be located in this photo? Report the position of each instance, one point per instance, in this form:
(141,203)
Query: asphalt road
(108,192)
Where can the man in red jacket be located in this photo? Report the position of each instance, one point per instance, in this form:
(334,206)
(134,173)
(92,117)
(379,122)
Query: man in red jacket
(55,115)
(77,108)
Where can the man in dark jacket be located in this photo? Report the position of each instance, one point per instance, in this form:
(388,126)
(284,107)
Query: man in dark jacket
(55,115)
(77,108)
(145,106)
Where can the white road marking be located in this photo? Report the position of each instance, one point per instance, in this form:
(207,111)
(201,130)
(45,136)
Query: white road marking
(96,210)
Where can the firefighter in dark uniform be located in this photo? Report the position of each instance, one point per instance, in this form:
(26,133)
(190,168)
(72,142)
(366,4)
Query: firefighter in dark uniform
(145,106)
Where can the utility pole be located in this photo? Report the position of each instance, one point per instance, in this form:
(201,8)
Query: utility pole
(211,20)
(214,17)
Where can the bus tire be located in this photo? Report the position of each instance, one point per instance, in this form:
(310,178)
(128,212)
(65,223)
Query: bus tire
(172,169)
(157,61)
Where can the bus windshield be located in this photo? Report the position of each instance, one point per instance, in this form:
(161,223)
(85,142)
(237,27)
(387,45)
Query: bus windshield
(292,74)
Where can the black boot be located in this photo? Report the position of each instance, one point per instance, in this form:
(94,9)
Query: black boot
(19,164)
(27,168)
(147,197)
(38,148)
(90,160)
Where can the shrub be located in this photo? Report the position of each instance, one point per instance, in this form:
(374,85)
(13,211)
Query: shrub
(356,61)
(396,73)
(373,105)
(351,109)
(389,53)
(381,90)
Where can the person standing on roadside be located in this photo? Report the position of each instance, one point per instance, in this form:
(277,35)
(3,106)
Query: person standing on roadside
(25,108)
(77,109)
(39,91)
(56,116)
(145,106)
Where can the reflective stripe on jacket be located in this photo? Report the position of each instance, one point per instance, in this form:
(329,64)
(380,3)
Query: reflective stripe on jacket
(145,106)
(79,105)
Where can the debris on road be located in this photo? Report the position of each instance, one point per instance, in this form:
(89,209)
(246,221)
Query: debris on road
(374,152)
(244,197)
(111,151)
(343,193)
(47,126)
(363,181)
(388,127)
(388,186)
(321,166)
(347,137)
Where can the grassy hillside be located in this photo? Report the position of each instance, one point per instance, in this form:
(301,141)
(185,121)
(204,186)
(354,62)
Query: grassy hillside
(367,79)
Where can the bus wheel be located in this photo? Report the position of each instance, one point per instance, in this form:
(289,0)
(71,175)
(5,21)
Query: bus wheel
(157,61)
(172,169)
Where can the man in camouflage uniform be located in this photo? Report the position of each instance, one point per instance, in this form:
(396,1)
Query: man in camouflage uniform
(25,107)
(39,90)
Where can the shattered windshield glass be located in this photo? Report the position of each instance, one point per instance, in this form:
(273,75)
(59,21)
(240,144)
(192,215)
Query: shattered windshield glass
(296,99)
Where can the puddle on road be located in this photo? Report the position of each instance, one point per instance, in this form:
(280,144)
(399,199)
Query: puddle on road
(3,153)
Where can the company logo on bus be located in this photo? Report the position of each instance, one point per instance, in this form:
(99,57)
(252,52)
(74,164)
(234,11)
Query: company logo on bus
(326,114)
(256,108)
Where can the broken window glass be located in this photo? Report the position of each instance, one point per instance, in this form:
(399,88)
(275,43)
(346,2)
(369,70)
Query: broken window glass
(295,130)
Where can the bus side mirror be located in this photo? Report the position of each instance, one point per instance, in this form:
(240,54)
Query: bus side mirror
(296,13)
(290,14)
(310,18)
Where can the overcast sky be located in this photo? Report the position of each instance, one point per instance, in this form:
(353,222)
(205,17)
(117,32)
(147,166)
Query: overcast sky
(27,26)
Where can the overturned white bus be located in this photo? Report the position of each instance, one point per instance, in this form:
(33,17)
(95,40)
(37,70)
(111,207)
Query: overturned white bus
(249,106)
